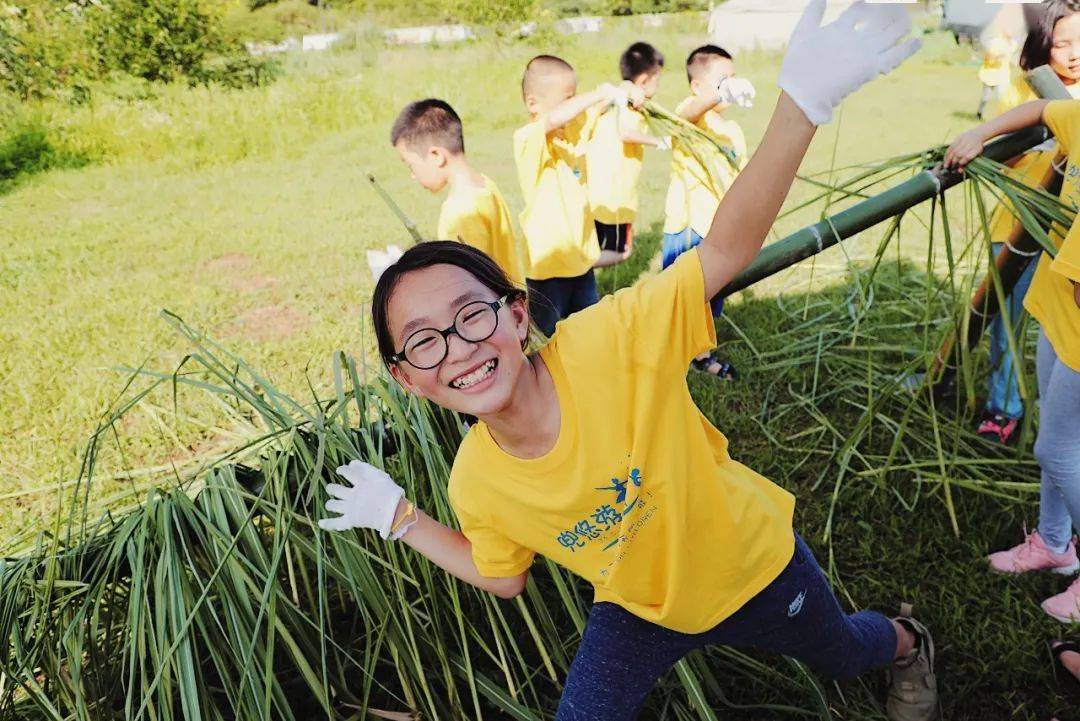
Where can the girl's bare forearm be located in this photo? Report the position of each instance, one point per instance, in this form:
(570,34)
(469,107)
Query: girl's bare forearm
(750,206)
(451,551)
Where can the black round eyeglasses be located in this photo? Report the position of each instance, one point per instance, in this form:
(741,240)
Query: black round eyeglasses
(427,347)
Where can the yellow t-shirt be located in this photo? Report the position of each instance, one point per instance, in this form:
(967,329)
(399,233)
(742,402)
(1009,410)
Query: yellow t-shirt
(1050,298)
(479,217)
(1031,167)
(614,166)
(693,195)
(653,511)
(995,69)
(557,222)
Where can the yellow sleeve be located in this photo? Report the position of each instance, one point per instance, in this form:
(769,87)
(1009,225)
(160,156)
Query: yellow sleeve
(661,322)
(1063,119)
(1067,261)
(1009,96)
(530,154)
(495,555)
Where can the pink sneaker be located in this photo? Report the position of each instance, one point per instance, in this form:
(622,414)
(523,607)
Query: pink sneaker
(996,427)
(1065,606)
(1033,555)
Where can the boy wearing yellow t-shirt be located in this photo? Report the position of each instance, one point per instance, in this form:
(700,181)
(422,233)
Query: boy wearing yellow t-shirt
(550,155)
(614,157)
(428,136)
(1053,300)
(695,192)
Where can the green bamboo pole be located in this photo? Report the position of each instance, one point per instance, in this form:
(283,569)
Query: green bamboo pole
(396,210)
(813,239)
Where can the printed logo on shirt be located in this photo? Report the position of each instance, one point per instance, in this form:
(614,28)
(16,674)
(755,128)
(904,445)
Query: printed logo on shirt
(607,516)
(610,523)
(795,606)
(1071,196)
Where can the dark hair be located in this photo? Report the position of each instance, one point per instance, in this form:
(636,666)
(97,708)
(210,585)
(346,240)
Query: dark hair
(699,59)
(424,255)
(430,121)
(639,58)
(540,66)
(1040,37)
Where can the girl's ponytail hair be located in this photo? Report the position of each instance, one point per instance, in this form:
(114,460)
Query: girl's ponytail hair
(1040,37)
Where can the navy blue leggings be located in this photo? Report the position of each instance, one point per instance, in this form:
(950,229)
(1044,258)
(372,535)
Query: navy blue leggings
(621,656)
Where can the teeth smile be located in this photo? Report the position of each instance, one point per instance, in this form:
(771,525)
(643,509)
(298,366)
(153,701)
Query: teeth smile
(475,377)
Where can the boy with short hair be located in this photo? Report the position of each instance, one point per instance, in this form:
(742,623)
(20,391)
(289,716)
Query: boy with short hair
(615,154)
(557,222)
(695,191)
(429,139)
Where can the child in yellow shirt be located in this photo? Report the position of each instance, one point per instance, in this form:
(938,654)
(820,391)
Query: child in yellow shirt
(692,196)
(1054,301)
(429,139)
(684,546)
(550,155)
(994,71)
(615,153)
(1049,42)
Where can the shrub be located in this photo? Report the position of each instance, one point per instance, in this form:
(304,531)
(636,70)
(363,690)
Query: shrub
(156,40)
(42,47)
(26,148)
(240,71)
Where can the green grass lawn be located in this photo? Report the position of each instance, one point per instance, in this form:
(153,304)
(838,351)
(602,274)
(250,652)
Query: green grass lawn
(247,214)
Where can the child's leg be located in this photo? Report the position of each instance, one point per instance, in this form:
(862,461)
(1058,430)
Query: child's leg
(627,240)
(612,241)
(1004,395)
(582,293)
(544,303)
(986,90)
(1056,447)
(798,615)
(618,662)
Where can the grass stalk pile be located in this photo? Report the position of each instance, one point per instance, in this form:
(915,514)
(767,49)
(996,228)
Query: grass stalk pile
(215,596)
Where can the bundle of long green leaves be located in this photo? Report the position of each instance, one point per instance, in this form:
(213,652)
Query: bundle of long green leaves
(713,159)
(217,596)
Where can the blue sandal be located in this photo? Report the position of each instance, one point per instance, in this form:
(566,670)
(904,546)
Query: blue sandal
(725,371)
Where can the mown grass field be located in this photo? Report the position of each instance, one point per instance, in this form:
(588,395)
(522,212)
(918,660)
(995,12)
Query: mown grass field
(247,214)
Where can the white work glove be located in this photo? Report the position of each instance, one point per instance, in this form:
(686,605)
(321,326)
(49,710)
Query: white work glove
(823,65)
(735,91)
(369,501)
(379,260)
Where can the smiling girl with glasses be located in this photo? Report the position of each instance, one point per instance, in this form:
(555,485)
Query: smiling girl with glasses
(684,546)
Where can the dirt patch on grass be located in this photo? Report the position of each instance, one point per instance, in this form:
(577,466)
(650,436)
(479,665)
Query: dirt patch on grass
(229,263)
(254,283)
(270,322)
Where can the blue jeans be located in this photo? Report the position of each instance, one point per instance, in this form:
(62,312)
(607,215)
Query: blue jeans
(552,299)
(674,245)
(1057,447)
(1004,391)
(621,656)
